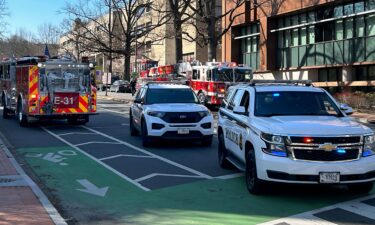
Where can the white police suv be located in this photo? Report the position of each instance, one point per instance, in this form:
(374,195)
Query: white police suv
(292,132)
(170,111)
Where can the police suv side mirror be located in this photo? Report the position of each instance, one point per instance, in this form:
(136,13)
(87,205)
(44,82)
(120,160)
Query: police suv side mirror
(138,101)
(347,109)
(240,110)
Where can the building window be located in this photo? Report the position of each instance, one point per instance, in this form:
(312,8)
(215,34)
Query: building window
(336,41)
(329,75)
(363,73)
(250,46)
(188,57)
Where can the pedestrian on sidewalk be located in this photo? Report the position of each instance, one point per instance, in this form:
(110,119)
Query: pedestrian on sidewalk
(133,84)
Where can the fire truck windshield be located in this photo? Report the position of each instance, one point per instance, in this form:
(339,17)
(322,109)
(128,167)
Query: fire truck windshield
(64,79)
(231,74)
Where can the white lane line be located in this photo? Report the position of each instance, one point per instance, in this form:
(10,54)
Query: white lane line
(229,176)
(164,175)
(114,111)
(73,133)
(122,155)
(98,142)
(97,160)
(360,209)
(306,217)
(151,154)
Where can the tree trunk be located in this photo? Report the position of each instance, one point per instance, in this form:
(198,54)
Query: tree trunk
(178,40)
(212,40)
(127,71)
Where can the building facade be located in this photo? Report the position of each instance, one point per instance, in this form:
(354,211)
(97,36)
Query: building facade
(331,43)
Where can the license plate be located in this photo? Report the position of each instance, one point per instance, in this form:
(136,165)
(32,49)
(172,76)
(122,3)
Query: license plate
(66,100)
(183,131)
(329,177)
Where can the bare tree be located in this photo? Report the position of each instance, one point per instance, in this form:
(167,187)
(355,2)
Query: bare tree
(180,14)
(22,43)
(48,33)
(129,26)
(3,14)
(208,22)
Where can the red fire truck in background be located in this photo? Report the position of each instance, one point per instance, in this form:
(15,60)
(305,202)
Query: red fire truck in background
(210,81)
(36,88)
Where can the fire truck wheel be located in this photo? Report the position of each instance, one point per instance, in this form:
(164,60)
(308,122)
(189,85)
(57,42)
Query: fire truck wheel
(22,118)
(5,109)
(202,98)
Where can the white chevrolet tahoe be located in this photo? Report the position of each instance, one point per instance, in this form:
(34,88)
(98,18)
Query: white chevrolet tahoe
(292,132)
(170,111)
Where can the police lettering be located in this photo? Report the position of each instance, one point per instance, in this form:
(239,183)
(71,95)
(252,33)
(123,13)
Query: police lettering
(232,136)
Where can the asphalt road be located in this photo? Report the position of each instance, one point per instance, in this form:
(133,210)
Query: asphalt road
(99,174)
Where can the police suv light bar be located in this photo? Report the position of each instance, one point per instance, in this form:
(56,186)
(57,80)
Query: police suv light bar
(294,82)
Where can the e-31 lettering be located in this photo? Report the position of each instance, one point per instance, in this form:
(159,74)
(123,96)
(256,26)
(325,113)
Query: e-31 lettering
(64,100)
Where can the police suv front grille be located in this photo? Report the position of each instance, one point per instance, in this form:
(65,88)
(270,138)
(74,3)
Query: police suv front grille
(321,155)
(325,149)
(332,140)
(182,117)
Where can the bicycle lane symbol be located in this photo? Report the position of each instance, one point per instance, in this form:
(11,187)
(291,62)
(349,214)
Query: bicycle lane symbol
(57,158)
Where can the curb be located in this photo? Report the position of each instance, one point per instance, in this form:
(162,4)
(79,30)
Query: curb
(47,205)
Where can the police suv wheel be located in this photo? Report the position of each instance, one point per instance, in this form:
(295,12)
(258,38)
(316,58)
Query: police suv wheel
(253,184)
(146,141)
(223,153)
(361,188)
(133,131)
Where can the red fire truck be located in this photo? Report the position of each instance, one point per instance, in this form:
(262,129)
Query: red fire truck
(35,88)
(211,80)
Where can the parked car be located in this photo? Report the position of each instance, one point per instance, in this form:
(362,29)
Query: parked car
(279,131)
(120,86)
(170,111)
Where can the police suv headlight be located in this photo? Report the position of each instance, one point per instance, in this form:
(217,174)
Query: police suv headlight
(368,145)
(275,145)
(204,113)
(156,114)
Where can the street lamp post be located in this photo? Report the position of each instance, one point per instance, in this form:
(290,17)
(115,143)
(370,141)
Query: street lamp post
(110,44)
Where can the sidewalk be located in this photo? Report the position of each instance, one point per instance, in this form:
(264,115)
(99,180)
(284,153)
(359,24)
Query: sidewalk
(121,97)
(21,200)
(364,117)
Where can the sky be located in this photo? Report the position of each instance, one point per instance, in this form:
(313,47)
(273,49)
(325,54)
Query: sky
(29,14)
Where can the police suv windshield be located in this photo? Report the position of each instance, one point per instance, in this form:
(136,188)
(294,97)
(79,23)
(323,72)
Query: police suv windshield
(294,103)
(170,95)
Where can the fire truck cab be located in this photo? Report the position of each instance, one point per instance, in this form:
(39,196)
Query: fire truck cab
(35,88)
(210,81)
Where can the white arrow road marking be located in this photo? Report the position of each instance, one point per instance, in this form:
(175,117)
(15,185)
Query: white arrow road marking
(92,188)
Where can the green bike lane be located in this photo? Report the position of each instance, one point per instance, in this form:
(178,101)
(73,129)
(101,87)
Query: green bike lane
(89,193)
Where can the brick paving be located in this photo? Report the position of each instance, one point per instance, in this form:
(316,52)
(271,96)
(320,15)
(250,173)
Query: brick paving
(18,204)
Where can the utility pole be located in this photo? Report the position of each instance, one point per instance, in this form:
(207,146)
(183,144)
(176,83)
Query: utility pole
(110,44)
